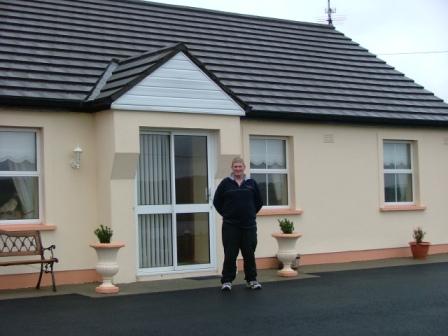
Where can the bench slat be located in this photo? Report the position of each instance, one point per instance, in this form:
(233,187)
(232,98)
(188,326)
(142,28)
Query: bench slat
(20,243)
(27,262)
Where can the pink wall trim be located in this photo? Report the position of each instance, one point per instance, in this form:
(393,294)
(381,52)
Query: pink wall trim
(365,255)
(346,256)
(14,281)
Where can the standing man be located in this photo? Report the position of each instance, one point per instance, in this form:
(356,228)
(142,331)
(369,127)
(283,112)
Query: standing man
(237,200)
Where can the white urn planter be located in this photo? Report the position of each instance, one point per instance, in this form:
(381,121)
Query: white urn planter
(286,252)
(107,265)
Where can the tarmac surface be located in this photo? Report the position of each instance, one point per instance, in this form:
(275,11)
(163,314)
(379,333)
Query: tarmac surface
(387,297)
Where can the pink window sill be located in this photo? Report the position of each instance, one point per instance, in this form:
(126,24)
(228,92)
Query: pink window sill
(27,227)
(279,212)
(387,208)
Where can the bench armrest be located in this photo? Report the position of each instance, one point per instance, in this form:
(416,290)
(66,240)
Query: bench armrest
(50,249)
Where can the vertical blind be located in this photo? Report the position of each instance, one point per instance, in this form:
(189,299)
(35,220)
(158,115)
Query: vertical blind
(156,240)
(154,170)
(154,188)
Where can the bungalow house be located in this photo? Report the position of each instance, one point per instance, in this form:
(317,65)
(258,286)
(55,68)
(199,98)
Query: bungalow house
(160,98)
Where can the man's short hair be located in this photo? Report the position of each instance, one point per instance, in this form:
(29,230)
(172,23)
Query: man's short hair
(237,159)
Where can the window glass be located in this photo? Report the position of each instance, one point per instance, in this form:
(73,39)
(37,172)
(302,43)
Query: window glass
(193,243)
(389,188)
(398,174)
(269,169)
(19,198)
(278,189)
(389,156)
(154,170)
(261,180)
(402,156)
(191,172)
(19,176)
(257,154)
(276,155)
(17,151)
(404,187)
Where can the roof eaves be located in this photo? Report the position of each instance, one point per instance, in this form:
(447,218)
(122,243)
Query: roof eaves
(344,119)
(52,103)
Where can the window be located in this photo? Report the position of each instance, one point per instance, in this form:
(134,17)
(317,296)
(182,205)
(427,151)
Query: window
(269,167)
(398,172)
(19,176)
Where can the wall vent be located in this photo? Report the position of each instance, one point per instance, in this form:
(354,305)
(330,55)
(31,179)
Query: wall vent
(328,138)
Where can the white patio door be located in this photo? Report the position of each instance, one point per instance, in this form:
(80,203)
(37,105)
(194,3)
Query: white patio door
(175,228)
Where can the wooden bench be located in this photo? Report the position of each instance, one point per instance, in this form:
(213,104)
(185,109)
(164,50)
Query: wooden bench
(29,243)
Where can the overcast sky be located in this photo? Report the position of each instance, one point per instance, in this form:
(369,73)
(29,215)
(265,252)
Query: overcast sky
(410,35)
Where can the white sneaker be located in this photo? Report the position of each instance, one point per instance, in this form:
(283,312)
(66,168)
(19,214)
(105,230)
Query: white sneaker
(226,287)
(253,284)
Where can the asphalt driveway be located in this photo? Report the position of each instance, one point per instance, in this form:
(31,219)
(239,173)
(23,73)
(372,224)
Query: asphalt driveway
(405,300)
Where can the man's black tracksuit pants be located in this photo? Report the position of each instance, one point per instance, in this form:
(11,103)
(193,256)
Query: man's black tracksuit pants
(235,239)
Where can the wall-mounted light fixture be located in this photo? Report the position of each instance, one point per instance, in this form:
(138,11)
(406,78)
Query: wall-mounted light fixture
(76,162)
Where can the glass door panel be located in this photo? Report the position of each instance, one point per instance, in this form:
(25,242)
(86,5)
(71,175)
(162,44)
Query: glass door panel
(193,238)
(173,205)
(154,170)
(191,171)
(155,240)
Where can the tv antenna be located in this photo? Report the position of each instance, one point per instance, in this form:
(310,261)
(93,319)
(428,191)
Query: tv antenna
(329,11)
(330,17)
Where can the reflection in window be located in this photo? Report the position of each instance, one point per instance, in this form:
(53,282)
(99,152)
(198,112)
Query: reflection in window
(193,243)
(190,156)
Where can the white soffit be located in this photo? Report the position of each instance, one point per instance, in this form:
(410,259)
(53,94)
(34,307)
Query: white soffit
(179,85)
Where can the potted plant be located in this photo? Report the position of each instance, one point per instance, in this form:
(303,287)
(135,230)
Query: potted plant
(107,265)
(419,247)
(104,234)
(286,241)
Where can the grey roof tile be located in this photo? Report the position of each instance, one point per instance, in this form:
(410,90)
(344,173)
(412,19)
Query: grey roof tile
(276,90)
(43,93)
(48,68)
(131,70)
(63,51)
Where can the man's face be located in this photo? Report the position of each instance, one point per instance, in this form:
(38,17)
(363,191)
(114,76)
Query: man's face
(238,169)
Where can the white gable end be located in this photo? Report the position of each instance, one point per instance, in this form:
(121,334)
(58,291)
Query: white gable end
(179,85)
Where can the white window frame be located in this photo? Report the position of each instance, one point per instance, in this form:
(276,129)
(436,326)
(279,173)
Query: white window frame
(274,171)
(37,173)
(402,171)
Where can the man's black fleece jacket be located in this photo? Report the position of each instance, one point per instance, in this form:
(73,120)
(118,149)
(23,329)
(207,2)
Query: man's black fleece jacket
(238,205)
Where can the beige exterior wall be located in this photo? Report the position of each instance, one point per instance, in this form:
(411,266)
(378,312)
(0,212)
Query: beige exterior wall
(69,195)
(338,185)
(102,191)
(118,134)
